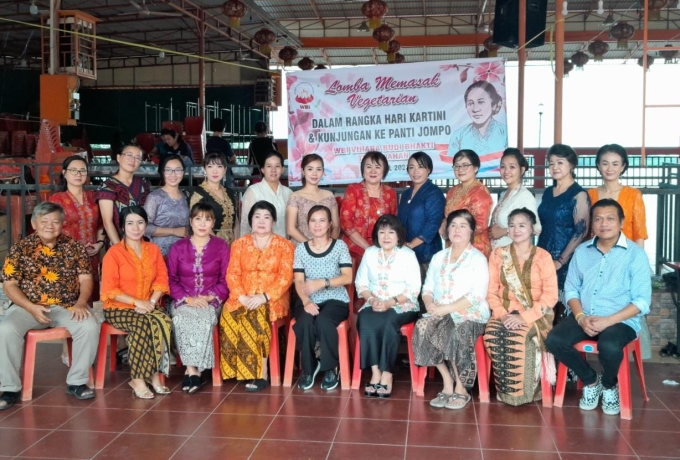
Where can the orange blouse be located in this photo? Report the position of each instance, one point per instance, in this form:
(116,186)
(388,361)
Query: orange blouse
(253,271)
(543,287)
(477,200)
(635,222)
(124,273)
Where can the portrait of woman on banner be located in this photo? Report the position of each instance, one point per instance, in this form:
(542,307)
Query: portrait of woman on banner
(485,134)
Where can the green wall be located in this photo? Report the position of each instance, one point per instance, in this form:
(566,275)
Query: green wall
(107,112)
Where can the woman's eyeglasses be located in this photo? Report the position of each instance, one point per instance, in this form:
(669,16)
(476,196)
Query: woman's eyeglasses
(173,172)
(78,172)
(461,167)
(131,156)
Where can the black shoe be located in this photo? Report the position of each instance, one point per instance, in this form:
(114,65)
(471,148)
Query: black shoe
(9,398)
(330,380)
(307,380)
(668,350)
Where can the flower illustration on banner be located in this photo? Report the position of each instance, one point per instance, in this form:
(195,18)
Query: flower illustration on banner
(290,80)
(491,72)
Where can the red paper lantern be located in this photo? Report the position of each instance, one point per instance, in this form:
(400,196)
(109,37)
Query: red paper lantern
(650,61)
(598,48)
(568,67)
(622,31)
(491,47)
(655,7)
(374,10)
(234,10)
(287,55)
(399,58)
(392,47)
(579,59)
(383,35)
(306,63)
(670,56)
(264,38)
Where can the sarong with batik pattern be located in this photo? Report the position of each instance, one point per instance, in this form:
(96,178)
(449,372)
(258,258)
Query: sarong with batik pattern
(245,337)
(437,339)
(148,339)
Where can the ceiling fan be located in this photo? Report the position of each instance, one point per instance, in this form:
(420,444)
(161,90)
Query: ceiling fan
(143,10)
(242,57)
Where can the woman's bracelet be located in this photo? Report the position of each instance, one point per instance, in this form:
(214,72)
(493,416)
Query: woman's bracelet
(368,301)
(579,315)
(266,297)
(101,241)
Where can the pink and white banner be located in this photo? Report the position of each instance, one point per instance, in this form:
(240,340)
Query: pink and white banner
(435,107)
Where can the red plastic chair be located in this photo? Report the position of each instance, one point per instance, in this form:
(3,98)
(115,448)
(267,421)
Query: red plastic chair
(343,351)
(108,333)
(406,330)
(274,355)
(625,391)
(32,339)
(483,372)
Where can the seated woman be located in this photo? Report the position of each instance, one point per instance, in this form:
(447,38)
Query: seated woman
(389,280)
(323,267)
(134,279)
(522,294)
(454,294)
(197,269)
(259,275)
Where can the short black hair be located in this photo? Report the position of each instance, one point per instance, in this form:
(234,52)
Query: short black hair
(470,155)
(261,205)
(423,160)
(464,213)
(317,208)
(612,148)
(63,185)
(138,210)
(261,127)
(606,203)
(375,157)
(217,124)
(564,151)
(217,158)
(393,223)
(524,212)
(164,161)
(517,155)
(200,208)
(270,154)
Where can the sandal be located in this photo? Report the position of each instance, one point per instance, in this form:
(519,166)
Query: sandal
(160,389)
(186,383)
(257,385)
(80,391)
(195,383)
(8,399)
(387,390)
(145,394)
(440,400)
(458,401)
(370,390)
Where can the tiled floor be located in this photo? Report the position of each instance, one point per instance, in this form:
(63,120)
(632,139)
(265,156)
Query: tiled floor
(286,423)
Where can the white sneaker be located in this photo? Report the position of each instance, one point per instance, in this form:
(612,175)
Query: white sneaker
(610,401)
(591,395)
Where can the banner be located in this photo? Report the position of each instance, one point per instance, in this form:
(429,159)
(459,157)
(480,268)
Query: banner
(435,107)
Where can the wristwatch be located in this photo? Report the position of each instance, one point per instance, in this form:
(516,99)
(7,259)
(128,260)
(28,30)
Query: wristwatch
(396,301)
(152,302)
(327,282)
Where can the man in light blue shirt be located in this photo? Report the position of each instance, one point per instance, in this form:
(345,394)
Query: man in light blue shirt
(608,290)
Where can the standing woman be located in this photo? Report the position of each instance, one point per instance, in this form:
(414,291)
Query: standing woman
(301,201)
(388,281)
(270,189)
(197,269)
(612,162)
(259,275)
(472,195)
(121,190)
(365,202)
(134,279)
(513,167)
(322,268)
(522,294)
(564,215)
(223,200)
(167,206)
(457,311)
(421,208)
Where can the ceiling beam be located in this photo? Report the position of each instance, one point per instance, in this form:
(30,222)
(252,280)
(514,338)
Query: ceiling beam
(469,39)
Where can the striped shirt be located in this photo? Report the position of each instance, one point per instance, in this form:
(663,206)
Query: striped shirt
(607,283)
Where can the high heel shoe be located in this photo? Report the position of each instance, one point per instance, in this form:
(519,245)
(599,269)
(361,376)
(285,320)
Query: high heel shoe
(160,389)
(145,394)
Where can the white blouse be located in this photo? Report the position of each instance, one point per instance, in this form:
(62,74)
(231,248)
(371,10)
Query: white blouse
(263,192)
(467,277)
(517,198)
(387,277)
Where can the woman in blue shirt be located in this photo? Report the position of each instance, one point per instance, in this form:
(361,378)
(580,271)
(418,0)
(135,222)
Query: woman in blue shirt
(421,210)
